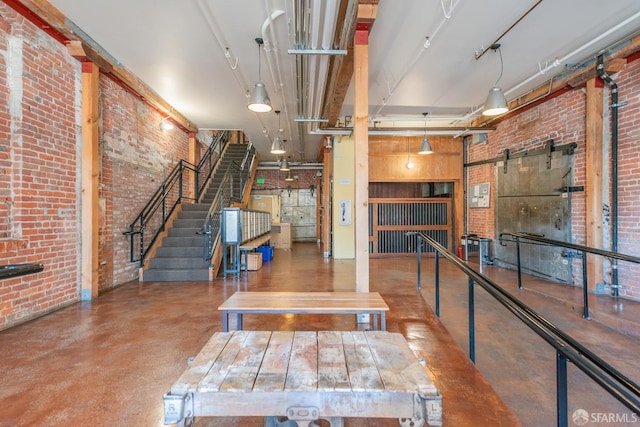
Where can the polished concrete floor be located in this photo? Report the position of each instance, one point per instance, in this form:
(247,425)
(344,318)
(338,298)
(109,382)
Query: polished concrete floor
(109,361)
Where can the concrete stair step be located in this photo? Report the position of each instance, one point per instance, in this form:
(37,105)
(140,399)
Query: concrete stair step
(177,275)
(189,222)
(184,232)
(176,251)
(178,263)
(194,241)
(194,207)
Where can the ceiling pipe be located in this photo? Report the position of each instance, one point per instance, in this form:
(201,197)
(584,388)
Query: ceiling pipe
(268,34)
(413,63)
(445,131)
(575,52)
(322,34)
(542,71)
(237,74)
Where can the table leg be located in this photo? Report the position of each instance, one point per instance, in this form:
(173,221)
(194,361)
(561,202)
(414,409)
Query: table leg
(383,321)
(225,321)
(239,321)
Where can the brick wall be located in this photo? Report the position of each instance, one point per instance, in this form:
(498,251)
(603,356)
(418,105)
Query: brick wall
(135,157)
(628,80)
(38,170)
(563,120)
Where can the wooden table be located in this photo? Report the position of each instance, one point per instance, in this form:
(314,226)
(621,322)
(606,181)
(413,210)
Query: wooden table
(304,303)
(305,376)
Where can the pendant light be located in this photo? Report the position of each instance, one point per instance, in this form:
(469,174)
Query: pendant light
(277,146)
(496,103)
(284,165)
(409,164)
(425,145)
(259,101)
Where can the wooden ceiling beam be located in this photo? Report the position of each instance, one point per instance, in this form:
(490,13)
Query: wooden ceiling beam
(49,19)
(341,69)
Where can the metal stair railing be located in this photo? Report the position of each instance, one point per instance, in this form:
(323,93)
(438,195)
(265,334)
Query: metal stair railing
(567,348)
(151,221)
(235,173)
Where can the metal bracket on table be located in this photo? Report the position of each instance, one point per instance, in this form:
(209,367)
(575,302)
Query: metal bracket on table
(177,408)
(427,410)
(299,416)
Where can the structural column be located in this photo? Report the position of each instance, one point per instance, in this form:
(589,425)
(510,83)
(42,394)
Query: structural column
(594,180)
(361,147)
(90,178)
(193,159)
(326,202)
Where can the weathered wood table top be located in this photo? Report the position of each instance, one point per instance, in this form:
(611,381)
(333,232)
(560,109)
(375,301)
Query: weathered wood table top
(306,376)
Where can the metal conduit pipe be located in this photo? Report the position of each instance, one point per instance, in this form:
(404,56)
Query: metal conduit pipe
(614,169)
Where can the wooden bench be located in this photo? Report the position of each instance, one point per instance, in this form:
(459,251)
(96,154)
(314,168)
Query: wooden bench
(305,376)
(304,303)
(249,246)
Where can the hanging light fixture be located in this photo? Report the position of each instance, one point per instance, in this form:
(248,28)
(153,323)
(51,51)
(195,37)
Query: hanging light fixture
(425,145)
(496,103)
(277,146)
(259,101)
(289,177)
(409,164)
(284,165)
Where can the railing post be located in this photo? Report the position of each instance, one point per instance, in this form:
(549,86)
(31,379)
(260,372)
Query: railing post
(196,183)
(180,180)
(437,267)
(164,205)
(141,240)
(518,260)
(419,261)
(561,390)
(585,296)
(472,328)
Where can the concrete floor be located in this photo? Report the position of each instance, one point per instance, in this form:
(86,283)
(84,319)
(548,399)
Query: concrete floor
(109,361)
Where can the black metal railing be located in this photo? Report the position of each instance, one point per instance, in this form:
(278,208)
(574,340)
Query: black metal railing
(567,349)
(582,250)
(152,219)
(232,188)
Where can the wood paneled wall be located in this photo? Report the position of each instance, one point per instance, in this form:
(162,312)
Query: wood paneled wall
(388,156)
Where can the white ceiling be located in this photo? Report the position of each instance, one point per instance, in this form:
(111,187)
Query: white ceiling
(202,58)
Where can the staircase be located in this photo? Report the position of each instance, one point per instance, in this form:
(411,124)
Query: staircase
(180,256)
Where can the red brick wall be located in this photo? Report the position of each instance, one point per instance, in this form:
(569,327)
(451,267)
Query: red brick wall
(38,170)
(274,179)
(628,81)
(136,156)
(563,119)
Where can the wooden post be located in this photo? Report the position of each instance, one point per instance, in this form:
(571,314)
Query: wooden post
(326,202)
(361,138)
(90,177)
(594,184)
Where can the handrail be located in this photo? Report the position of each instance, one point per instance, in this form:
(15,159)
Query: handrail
(224,195)
(208,162)
(614,382)
(540,239)
(152,218)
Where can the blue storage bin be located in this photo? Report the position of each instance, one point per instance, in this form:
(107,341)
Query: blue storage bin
(266,251)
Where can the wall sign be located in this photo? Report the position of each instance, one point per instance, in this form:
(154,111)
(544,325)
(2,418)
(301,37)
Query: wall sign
(479,195)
